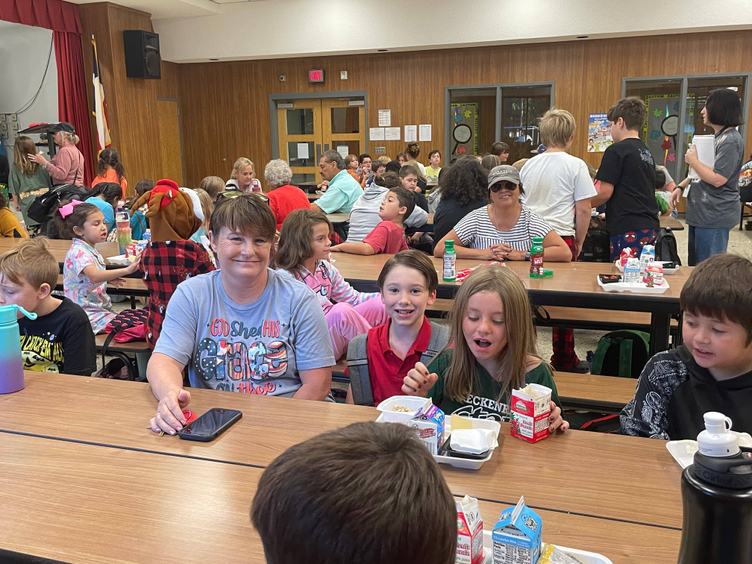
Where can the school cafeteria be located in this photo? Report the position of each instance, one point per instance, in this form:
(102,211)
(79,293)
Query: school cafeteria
(325,282)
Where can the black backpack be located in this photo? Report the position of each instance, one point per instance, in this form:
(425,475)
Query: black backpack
(42,208)
(597,246)
(665,246)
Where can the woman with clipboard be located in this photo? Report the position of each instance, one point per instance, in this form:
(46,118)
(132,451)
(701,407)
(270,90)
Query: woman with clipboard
(713,198)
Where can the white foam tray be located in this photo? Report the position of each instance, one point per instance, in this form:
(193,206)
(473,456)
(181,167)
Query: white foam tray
(684,451)
(582,555)
(633,287)
(463,463)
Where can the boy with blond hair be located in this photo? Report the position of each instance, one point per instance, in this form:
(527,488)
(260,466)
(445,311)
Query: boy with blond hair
(60,339)
(558,188)
(712,369)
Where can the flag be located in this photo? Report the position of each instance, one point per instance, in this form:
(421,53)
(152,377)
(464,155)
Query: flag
(99,111)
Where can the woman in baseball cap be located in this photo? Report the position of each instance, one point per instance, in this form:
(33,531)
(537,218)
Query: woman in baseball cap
(67,166)
(504,229)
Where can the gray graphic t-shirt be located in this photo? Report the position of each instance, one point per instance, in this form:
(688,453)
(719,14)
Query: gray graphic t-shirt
(255,348)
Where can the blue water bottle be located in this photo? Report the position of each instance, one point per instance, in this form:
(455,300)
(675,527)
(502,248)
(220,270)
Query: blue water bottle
(11,366)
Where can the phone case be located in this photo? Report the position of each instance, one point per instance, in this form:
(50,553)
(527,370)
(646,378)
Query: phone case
(236,415)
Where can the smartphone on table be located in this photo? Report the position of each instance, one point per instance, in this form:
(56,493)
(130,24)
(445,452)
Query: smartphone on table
(210,425)
(609,278)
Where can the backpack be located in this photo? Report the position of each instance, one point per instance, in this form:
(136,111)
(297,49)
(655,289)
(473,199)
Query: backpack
(665,246)
(597,245)
(128,325)
(40,210)
(357,361)
(621,353)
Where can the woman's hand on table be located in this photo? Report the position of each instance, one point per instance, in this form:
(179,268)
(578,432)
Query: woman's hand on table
(418,381)
(502,251)
(555,421)
(169,418)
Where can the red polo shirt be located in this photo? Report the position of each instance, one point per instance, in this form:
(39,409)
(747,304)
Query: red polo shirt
(385,368)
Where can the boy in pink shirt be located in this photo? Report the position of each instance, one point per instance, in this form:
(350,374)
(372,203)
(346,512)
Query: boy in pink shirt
(389,235)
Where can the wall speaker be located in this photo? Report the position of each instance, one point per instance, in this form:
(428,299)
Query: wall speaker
(141,54)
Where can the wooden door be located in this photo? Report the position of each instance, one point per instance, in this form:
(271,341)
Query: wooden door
(344,126)
(300,138)
(171,154)
(307,128)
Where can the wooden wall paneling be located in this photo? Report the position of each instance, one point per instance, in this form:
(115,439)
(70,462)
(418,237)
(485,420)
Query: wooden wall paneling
(225,106)
(169,146)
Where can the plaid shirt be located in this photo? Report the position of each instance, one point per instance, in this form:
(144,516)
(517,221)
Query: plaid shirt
(165,265)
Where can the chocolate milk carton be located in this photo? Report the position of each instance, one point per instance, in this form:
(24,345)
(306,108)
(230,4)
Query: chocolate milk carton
(517,535)
(469,532)
(531,408)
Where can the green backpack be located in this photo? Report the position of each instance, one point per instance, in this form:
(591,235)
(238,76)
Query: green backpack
(621,353)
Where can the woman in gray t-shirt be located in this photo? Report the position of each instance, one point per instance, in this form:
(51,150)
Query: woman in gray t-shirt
(713,205)
(243,328)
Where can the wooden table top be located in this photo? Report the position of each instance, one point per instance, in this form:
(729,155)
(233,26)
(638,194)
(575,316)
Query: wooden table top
(568,278)
(87,503)
(591,474)
(583,389)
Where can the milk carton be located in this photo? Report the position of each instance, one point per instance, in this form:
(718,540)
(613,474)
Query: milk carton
(430,425)
(517,535)
(419,413)
(531,408)
(469,532)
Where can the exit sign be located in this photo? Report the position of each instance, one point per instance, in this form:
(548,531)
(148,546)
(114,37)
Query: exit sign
(316,75)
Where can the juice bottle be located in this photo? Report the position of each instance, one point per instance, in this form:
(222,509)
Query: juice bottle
(450,262)
(123,226)
(536,258)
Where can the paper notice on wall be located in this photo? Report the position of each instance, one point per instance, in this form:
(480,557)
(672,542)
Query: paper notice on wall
(343,150)
(385,118)
(705,145)
(392,133)
(376,133)
(424,132)
(411,133)
(303,153)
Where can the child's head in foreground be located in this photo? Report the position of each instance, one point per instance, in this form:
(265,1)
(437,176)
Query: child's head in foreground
(28,274)
(368,493)
(716,304)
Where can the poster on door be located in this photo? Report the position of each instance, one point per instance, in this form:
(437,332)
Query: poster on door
(465,113)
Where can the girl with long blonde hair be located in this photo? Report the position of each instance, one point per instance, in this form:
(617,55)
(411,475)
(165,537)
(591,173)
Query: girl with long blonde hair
(27,179)
(492,351)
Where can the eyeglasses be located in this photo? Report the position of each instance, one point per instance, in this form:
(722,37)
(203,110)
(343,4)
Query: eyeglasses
(504,184)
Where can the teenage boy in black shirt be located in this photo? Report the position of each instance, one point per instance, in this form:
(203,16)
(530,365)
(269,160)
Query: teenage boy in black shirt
(627,177)
(60,339)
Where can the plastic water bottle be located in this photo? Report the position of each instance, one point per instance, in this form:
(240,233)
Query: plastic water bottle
(450,262)
(11,366)
(717,497)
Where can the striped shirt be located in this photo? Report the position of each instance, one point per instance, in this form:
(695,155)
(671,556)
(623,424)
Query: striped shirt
(476,231)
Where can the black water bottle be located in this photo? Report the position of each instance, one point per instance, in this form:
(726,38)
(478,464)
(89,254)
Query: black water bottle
(717,498)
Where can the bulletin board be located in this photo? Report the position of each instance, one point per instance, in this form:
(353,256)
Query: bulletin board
(661,128)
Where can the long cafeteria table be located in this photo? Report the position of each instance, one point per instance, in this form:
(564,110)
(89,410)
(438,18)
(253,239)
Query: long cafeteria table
(85,480)
(572,285)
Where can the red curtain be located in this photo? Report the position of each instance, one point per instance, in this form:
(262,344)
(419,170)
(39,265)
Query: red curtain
(64,21)
(72,105)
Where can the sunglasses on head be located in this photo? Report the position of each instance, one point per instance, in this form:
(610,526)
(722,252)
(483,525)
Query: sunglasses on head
(504,184)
